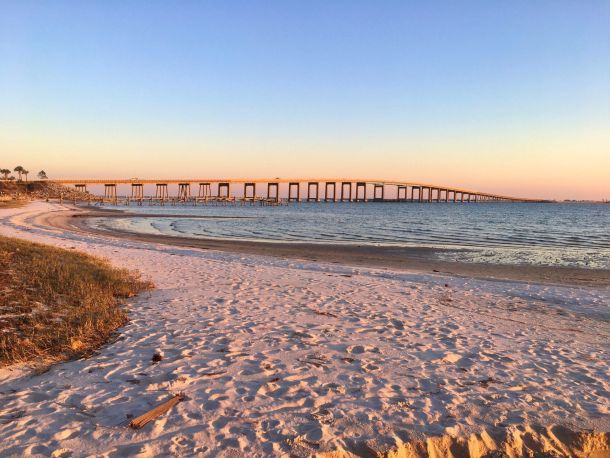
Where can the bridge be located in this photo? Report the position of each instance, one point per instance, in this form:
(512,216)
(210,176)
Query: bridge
(298,190)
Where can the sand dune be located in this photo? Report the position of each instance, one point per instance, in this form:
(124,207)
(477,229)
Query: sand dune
(300,358)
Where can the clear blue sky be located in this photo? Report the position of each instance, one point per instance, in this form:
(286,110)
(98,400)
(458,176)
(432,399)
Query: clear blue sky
(487,94)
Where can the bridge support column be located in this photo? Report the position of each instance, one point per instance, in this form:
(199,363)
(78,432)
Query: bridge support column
(137,192)
(349,195)
(294,198)
(401,188)
(205,191)
(309,186)
(184,192)
(161,192)
(110,191)
(81,187)
(438,195)
(224,190)
(249,186)
(273,196)
(327,198)
(359,186)
(375,188)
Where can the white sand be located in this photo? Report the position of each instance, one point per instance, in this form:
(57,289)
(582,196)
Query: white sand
(279,356)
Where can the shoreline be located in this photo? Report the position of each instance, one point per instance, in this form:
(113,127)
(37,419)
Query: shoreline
(418,259)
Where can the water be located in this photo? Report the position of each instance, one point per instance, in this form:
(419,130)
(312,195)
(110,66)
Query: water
(506,233)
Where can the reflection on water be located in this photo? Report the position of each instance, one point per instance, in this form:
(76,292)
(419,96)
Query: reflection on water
(551,234)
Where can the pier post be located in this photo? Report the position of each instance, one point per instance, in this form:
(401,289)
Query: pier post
(226,188)
(349,197)
(326,187)
(184,192)
(309,185)
(81,187)
(250,186)
(276,196)
(358,187)
(294,198)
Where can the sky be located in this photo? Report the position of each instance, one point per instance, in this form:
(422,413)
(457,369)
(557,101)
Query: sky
(504,97)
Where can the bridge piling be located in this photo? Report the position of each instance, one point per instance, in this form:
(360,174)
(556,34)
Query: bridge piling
(276,194)
(251,186)
(376,187)
(360,185)
(227,190)
(315,185)
(184,192)
(296,197)
(327,198)
(349,193)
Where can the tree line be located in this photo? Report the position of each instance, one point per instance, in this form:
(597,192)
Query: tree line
(21,172)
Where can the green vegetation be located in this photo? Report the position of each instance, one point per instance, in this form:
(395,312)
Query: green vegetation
(58,304)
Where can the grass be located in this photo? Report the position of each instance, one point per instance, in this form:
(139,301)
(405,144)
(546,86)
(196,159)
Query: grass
(12,203)
(58,304)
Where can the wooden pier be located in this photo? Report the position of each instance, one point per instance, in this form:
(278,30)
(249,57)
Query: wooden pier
(220,191)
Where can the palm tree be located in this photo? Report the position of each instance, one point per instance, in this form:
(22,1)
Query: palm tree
(25,172)
(42,175)
(19,170)
(5,172)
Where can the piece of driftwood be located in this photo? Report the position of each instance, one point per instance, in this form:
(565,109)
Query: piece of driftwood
(152,414)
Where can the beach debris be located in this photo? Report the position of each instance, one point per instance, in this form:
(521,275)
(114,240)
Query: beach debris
(315,359)
(144,419)
(157,357)
(212,374)
(323,416)
(321,312)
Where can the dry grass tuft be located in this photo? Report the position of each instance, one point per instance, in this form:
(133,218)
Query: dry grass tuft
(12,203)
(58,304)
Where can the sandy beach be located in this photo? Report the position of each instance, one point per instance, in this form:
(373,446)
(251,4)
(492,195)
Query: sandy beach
(301,350)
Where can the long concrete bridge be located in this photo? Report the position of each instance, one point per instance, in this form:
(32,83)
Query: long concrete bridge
(298,190)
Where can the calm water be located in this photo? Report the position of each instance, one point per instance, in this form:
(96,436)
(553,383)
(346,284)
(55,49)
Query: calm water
(550,234)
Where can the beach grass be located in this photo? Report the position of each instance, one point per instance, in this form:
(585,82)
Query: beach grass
(58,304)
(12,203)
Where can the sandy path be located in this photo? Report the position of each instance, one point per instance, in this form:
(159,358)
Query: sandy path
(294,357)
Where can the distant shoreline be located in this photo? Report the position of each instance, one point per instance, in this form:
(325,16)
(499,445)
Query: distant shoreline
(395,258)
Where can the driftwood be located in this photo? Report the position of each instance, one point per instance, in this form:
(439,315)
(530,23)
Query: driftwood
(152,414)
